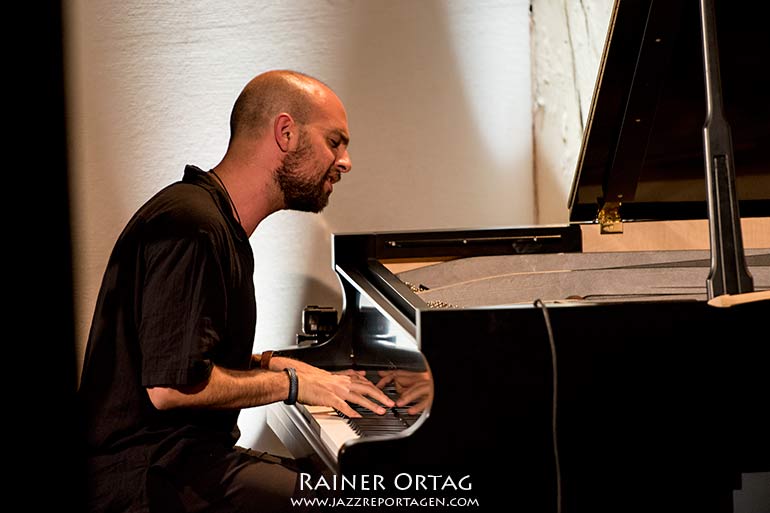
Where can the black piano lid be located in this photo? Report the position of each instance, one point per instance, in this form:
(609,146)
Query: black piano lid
(644,136)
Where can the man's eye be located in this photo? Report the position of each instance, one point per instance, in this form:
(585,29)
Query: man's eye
(334,143)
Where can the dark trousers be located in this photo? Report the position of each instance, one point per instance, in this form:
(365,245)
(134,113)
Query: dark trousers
(213,480)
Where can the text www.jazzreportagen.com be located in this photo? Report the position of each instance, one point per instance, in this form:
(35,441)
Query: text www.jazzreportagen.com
(386,502)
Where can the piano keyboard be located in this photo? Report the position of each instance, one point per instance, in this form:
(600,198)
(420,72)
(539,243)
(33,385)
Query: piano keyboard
(335,428)
(394,420)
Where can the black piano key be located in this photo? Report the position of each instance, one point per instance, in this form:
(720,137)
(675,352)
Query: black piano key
(395,419)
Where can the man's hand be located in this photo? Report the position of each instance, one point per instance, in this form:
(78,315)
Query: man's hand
(318,387)
(412,387)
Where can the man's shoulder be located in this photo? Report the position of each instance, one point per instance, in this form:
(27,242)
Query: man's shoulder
(182,208)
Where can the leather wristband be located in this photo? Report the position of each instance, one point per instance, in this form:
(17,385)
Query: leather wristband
(264,360)
(293,386)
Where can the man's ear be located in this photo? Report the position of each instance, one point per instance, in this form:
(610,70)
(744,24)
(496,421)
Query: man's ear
(284,130)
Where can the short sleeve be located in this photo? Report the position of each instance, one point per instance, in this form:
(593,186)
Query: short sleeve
(183,311)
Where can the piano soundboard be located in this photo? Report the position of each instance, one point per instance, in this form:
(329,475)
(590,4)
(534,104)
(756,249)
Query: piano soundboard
(619,276)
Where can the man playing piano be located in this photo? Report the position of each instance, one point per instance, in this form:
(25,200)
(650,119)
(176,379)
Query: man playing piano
(168,363)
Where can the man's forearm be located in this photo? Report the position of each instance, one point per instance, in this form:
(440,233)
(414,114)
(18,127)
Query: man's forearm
(279,363)
(225,389)
(230,389)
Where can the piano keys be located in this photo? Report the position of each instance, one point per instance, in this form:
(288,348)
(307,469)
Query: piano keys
(335,429)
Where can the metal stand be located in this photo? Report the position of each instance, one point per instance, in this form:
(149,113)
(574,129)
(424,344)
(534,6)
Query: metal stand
(729,273)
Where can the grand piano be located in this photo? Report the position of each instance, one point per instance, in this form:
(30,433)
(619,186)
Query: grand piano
(556,375)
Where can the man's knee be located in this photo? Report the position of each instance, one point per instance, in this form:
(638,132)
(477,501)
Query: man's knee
(262,480)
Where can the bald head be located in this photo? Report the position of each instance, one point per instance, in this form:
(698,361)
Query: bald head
(288,146)
(270,94)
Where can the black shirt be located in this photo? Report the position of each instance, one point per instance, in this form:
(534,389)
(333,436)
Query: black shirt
(177,296)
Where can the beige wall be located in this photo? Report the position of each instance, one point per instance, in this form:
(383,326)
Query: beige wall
(439,101)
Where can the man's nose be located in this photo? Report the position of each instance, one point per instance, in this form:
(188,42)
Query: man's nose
(344,163)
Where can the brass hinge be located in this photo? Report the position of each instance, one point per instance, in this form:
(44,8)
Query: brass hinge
(609,218)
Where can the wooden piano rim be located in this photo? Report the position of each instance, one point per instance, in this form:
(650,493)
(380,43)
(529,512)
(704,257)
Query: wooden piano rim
(642,236)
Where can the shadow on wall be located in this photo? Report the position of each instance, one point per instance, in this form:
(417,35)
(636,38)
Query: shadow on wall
(100,204)
(425,160)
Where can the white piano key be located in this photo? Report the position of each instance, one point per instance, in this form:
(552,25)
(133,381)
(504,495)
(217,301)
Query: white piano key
(335,430)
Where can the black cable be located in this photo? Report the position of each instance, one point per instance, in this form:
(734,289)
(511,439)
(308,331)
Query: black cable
(540,304)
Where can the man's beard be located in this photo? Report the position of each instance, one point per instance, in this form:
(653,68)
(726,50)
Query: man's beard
(301,193)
